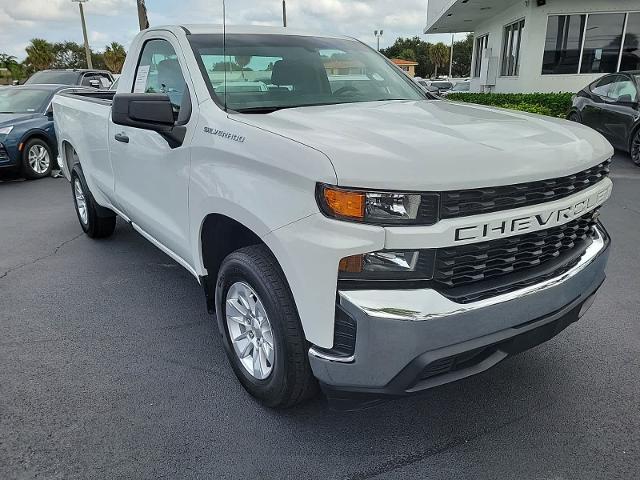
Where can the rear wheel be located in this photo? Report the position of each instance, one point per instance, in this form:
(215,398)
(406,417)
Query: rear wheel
(261,329)
(635,148)
(96,221)
(36,159)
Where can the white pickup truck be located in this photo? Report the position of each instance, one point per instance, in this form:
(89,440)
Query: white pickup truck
(349,233)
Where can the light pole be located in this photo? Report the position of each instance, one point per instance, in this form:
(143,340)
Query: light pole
(451,59)
(378,35)
(284,13)
(87,50)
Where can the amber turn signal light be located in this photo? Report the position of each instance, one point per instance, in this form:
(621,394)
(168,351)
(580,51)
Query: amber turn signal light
(344,203)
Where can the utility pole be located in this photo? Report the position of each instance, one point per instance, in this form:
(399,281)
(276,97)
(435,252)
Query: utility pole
(143,19)
(451,59)
(284,13)
(378,35)
(87,50)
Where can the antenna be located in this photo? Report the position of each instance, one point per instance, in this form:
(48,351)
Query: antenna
(224,52)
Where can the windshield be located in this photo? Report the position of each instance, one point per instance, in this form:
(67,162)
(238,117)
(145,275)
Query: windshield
(442,85)
(54,78)
(22,100)
(461,87)
(269,72)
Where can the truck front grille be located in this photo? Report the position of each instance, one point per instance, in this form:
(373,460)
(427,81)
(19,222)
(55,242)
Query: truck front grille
(471,272)
(462,203)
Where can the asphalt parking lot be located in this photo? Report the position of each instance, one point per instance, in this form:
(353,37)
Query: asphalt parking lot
(111,368)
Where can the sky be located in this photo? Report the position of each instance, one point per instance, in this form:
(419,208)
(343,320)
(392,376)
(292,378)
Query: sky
(116,20)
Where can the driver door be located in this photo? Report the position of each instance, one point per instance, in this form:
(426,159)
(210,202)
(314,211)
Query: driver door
(621,113)
(151,177)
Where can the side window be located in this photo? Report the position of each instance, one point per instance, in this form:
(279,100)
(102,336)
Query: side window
(603,86)
(159,72)
(624,89)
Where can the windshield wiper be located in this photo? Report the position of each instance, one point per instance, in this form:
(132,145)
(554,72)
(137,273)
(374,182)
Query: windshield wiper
(8,112)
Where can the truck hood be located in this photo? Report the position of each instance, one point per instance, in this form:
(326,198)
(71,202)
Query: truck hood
(437,145)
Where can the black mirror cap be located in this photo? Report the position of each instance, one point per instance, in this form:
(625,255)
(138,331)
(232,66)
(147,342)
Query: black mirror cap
(148,111)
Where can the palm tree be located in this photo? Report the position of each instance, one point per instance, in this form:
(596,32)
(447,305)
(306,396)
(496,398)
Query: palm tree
(114,57)
(7,61)
(439,55)
(40,54)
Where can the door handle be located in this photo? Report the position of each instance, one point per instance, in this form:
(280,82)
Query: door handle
(121,137)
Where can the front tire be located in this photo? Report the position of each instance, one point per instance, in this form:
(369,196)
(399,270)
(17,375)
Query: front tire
(635,148)
(261,330)
(96,221)
(37,159)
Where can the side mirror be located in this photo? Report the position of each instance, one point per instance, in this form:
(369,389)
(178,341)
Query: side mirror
(148,112)
(15,82)
(625,99)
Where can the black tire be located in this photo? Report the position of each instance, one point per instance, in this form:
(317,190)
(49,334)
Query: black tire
(291,380)
(634,149)
(100,221)
(27,169)
(574,117)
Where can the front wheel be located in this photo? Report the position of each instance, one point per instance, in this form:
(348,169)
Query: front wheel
(260,328)
(36,159)
(635,148)
(96,221)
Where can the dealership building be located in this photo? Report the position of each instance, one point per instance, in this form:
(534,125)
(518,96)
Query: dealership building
(542,45)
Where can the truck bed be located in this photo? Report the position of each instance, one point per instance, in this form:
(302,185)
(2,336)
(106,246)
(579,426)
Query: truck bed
(99,96)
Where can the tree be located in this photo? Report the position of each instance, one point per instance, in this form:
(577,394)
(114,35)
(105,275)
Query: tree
(439,55)
(69,55)
(407,54)
(114,57)
(420,50)
(462,52)
(40,55)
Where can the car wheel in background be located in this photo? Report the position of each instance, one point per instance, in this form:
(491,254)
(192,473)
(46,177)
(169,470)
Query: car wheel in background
(574,117)
(37,159)
(261,330)
(96,221)
(635,148)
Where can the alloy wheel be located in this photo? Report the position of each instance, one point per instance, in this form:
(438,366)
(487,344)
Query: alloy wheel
(81,201)
(250,330)
(39,160)
(635,149)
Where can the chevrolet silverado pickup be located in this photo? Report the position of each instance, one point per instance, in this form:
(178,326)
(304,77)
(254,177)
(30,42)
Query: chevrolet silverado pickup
(349,232)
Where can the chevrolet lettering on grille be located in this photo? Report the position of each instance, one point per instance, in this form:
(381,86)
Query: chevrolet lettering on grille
(570,209)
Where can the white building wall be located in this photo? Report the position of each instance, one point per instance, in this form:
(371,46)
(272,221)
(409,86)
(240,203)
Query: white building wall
(530,78)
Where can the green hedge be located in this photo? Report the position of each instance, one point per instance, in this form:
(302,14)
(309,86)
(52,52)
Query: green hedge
(552,104)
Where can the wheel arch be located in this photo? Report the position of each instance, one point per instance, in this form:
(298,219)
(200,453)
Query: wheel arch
(40,135)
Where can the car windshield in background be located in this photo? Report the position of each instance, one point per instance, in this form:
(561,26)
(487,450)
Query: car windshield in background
(21,100)
(54,78)
(461,87)
(270,72)
(442,85)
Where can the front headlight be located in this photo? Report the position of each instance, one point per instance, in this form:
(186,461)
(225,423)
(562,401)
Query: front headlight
(6,130)
(388,265)
(377,207)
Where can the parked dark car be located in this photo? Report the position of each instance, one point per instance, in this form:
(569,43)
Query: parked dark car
(611,105)
(27,137)
(101,79)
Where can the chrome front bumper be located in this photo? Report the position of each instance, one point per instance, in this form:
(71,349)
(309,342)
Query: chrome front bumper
(398,328)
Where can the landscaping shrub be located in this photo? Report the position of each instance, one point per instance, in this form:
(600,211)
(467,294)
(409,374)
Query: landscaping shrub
(551,104)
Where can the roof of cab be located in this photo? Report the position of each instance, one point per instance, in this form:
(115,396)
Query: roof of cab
(199,29)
